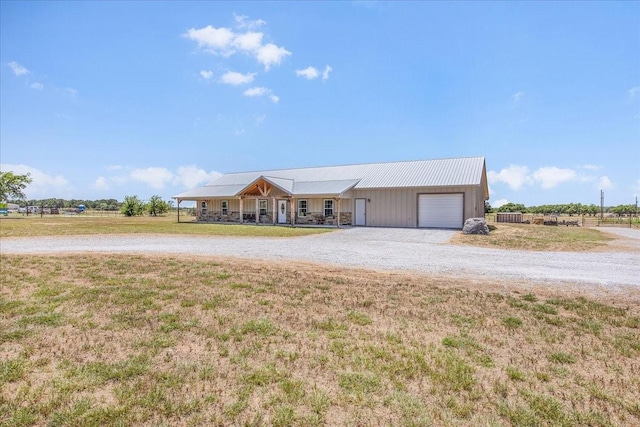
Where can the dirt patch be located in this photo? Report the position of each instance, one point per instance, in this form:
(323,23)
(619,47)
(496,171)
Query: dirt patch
(548,238)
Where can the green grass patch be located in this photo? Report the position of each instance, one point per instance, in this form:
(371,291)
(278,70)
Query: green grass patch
(512,322)
(91,225)
(563,358)
(359,382)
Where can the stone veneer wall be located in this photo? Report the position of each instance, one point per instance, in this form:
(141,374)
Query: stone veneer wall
(312,218)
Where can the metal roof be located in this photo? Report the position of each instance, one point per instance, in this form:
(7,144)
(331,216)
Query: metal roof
(325,180)
(283,183)
(211,191)
(312,188)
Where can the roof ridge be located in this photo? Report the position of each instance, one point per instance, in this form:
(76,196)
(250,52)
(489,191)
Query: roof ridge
(262,172)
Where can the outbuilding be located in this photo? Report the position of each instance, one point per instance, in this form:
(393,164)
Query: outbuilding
(438,193)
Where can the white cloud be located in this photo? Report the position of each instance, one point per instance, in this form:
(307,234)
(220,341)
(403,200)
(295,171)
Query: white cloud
(499,202)
(256,91)
(515,176)
(308,73)
(191,176)
(259,119)
(158,178)
(37,86)
(325,73)
(604,183)
(517,97)
(43,185)
(261,91)
(243,21)
(226,42)
(154,177)
(101,183)
(234,78)
(633,92)
(17,69)
(591,167)
(212,39)
(248,41)
(551,176)
(270,54)
(206,74)
(69,91)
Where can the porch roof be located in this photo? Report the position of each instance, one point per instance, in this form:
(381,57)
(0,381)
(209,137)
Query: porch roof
(308,188)
(211,191)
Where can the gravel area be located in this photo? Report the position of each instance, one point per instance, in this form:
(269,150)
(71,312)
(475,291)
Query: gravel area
(407,250)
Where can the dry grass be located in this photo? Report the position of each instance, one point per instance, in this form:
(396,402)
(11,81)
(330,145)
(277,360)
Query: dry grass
(540,238)
(62,225)
(119,340)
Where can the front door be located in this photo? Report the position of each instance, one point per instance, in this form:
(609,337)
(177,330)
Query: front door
(361,212)
(282,211)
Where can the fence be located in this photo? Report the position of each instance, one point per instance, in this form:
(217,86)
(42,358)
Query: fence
(583,220)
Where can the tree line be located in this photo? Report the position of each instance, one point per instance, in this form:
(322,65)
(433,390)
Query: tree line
(131,206)
(563,209)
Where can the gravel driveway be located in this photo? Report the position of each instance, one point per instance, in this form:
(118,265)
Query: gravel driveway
(408,250)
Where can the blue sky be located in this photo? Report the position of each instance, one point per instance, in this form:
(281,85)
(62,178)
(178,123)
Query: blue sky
(103,100)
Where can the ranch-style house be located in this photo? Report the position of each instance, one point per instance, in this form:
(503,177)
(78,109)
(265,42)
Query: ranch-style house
(439,193)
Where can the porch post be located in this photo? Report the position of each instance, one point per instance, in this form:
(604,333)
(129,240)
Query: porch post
(275,211)
(338,203)
(293,211)
(257,211)
(241,214)
(178,210)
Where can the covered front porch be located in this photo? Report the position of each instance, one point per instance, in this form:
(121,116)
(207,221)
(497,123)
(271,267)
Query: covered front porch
(270,201)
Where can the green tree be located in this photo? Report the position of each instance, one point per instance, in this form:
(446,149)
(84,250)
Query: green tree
(512,207)
(487,207)
(12,186)
(623,209)
(132,206)
(156,206)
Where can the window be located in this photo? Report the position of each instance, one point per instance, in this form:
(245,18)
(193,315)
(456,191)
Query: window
(225,207)
(302,208)
(328,207)
(263,207)
(203,208)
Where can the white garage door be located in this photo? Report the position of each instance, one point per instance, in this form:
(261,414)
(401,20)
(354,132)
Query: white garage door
(440,210)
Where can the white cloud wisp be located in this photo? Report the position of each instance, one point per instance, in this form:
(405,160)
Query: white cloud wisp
(226,42)
(308,73)
(515,176)
(547,177)
(43,185)
(18,69)
(235,79)
(261,91)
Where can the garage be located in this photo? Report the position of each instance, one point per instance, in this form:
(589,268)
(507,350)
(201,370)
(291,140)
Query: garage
(440,210)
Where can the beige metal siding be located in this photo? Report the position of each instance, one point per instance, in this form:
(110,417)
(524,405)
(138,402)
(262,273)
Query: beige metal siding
(398,207)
